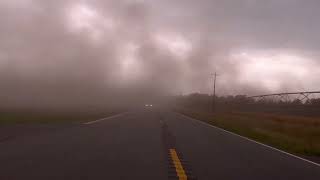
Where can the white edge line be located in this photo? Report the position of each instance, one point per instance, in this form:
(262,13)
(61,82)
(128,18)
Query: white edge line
(98,120)
(270,147)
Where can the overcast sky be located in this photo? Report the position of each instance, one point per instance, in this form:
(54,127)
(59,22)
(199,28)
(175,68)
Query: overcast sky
(89,48)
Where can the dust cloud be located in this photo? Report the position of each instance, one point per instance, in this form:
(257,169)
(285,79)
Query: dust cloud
(69,53)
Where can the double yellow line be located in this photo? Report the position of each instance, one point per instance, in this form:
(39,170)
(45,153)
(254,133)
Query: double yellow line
(177,164)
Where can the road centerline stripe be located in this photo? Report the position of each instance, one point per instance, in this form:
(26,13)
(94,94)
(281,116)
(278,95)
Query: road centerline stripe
(178,167)
(177,163)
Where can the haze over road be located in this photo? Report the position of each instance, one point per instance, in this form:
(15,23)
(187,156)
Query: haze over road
(65,61)
(135,145)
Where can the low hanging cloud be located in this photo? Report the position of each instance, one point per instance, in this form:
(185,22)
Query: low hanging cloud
(98,52)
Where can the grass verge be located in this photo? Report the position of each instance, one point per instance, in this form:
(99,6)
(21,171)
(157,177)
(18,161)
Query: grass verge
(298,135)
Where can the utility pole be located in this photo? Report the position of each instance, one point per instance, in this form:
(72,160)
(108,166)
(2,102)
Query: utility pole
(214,92)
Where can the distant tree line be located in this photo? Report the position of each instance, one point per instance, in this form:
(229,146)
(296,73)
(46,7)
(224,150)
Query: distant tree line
(243,103)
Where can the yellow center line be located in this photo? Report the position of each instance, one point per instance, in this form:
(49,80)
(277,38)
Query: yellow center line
(177,164)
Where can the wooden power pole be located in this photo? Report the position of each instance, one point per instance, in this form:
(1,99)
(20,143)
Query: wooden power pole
(214,92)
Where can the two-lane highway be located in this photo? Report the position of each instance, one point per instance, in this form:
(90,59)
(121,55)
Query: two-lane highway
(146,144)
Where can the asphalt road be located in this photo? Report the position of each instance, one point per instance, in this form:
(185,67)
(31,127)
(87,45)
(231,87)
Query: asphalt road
(145,144)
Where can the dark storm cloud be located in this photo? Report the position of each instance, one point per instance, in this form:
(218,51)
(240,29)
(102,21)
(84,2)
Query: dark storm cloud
(82,52)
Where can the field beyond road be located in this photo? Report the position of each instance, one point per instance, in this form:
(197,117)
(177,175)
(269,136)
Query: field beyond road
(10,117)
(20,123)
(294,134)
